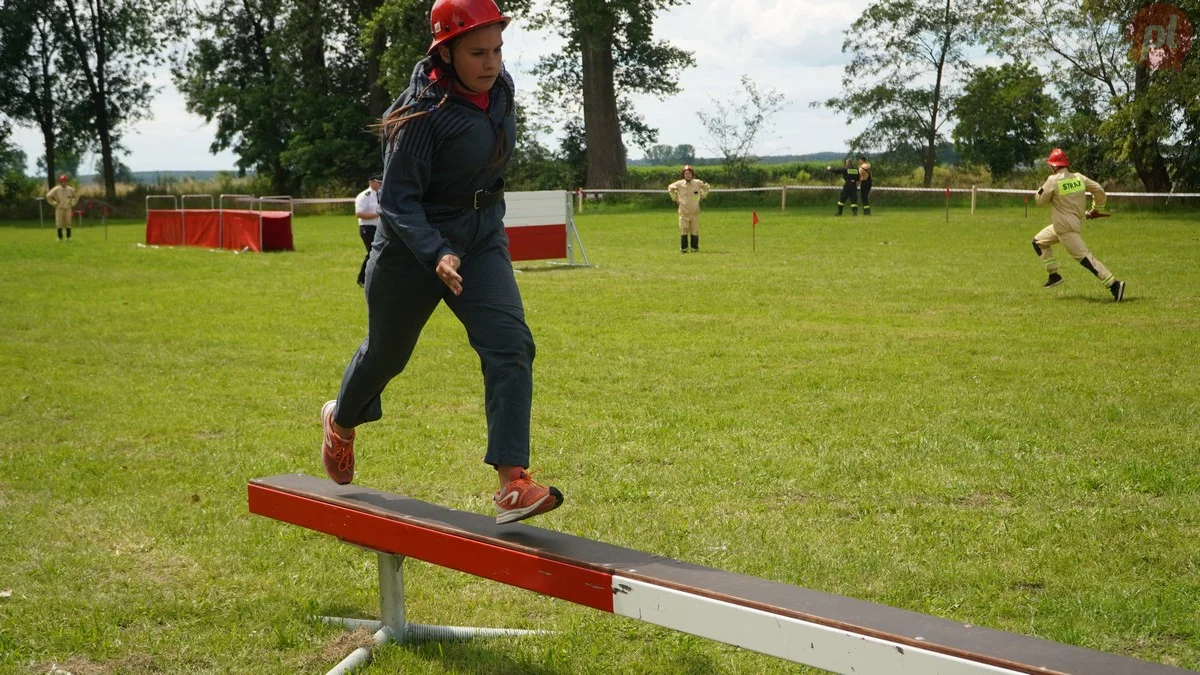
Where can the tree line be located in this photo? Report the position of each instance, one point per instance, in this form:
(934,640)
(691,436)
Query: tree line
(295,86)
(1111,104)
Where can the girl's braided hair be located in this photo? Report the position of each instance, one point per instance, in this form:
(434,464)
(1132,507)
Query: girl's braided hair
(389,126)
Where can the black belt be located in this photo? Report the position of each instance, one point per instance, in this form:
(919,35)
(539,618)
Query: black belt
(480,199)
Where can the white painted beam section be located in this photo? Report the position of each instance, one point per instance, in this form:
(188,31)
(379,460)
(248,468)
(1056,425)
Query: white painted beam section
(784,637)
(546,207)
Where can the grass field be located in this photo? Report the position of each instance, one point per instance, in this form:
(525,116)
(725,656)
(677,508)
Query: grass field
(888,408)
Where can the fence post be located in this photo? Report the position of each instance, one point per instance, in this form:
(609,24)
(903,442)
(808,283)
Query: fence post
(972,200)
(783,199)
(579,198)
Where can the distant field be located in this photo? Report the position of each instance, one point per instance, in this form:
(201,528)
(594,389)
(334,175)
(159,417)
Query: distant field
(887,408)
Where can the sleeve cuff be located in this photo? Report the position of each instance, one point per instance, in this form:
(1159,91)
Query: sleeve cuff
(442,253)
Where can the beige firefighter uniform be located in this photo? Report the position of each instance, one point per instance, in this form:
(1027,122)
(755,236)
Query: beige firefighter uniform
(63,199)
(1065,193)
(687,194)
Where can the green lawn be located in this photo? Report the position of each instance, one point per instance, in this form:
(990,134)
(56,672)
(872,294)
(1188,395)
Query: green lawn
(887,408)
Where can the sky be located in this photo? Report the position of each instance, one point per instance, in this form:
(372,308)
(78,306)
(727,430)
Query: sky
(793,46)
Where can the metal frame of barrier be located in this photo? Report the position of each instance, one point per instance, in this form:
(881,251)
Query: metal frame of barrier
(173,198)
(283,198)
(221,210)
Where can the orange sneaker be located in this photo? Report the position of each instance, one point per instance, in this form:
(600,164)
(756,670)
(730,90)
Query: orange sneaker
(337,453)
(523,498)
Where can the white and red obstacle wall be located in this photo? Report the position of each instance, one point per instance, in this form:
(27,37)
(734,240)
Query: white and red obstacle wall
(540,225)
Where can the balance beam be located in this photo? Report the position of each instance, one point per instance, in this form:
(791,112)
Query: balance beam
(818,629)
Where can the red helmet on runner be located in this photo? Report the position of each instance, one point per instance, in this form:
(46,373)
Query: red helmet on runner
(1058,159)
(62,178)
(450,18)
(687,168)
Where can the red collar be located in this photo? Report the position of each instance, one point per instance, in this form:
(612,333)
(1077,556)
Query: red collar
(481,100)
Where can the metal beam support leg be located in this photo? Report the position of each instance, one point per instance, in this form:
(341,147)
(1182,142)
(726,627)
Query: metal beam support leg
(394,628)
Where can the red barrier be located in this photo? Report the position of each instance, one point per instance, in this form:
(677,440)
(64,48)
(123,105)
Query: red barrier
(164,228)
(537,242)
(201,228)
(236,230)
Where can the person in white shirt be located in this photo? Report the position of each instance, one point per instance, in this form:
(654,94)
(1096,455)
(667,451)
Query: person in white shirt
(366,207)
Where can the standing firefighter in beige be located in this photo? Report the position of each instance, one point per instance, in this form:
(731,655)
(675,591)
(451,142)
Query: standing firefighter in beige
(687,193)
(1065,192)
(63,198)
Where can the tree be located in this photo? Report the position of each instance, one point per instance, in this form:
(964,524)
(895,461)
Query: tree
(287,96)
(906,54)
(734,126)
(114,42)
(13,183)
(123,172)
(395,36)
(666,155)
(1076,129)
(533,165)
(12,158)
(234,74)
(332,145)
(66,160)
(1139,108)
(41,84)
(609,55)
(1002,117)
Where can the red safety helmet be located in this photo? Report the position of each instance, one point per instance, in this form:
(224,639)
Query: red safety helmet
(62,178)
(1058,159)
(450,18)
(687,168)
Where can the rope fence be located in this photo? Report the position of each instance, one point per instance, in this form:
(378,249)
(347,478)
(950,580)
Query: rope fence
(583,194)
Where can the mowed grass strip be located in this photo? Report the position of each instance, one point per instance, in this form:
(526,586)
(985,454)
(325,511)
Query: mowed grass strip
(889,408)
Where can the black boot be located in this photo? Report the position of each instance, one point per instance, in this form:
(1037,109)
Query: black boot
(683,242)
(854,209)
(1054,280)
(695,242)
(1118,290)
(839,209)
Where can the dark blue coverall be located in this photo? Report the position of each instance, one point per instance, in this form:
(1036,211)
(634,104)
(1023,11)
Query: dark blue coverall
(849,189)
(447,155)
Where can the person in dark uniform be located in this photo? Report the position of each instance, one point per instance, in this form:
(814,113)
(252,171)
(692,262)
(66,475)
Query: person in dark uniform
(849,194)
(447,140)
(366,207)
(864,183)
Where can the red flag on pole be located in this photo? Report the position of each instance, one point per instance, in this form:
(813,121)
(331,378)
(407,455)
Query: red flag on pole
(755,217)
(754,231)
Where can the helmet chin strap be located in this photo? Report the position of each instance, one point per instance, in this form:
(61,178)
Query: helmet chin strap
(458,83)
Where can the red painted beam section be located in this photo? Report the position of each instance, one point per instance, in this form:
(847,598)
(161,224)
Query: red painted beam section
(537,242)
(515,568)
